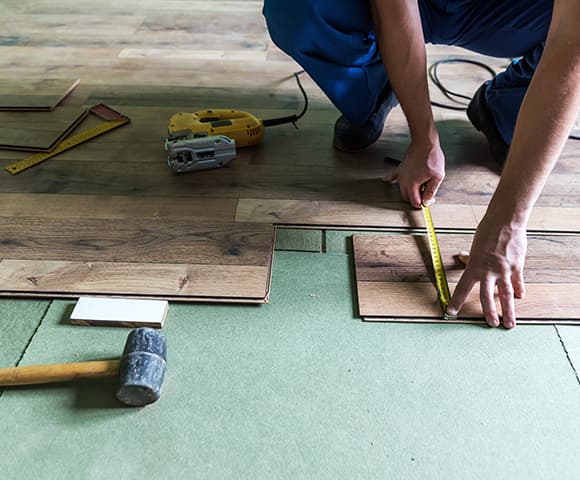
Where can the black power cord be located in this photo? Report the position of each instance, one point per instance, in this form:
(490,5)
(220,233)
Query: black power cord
(291,118)
(454,96)
(433,72)
(451,95)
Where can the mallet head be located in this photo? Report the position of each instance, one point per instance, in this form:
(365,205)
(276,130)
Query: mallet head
(142,367)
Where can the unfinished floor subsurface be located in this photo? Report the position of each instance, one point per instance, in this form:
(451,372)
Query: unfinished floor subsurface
(300,388)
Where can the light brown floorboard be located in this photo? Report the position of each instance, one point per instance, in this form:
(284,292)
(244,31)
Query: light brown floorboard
(44,94)
(394,279)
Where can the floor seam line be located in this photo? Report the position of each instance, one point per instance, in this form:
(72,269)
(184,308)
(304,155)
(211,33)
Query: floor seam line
(567,354)
(30,340)
(34,333)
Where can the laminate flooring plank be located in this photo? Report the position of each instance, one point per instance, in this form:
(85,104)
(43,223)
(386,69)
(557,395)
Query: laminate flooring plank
(106,207)
(392,216)
(138,241)
(394,279)
(37,95)
(418,302)
(38,131)
(345,214)
(176,259)
(76,27)
(546,219)
(156,179)
(153,280)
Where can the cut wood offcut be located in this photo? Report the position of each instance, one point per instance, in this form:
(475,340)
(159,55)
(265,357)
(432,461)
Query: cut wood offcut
(34,95)
(395,281)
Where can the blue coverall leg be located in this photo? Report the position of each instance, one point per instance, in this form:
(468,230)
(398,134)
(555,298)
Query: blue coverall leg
(334,42)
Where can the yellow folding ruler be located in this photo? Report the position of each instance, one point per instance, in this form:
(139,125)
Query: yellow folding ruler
(438,268)
(113,119)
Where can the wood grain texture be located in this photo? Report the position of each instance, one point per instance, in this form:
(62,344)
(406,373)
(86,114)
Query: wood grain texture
(153,241)
(218,210)
(38,131)
(114,201)
(183,282)
(394,278)
(138,256)
(34,95)
(394,215)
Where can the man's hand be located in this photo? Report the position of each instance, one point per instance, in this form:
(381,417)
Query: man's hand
(496,260)
(424,164)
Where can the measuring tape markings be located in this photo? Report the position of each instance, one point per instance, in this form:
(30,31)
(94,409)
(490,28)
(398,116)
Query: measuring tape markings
(71,142)
(438,268)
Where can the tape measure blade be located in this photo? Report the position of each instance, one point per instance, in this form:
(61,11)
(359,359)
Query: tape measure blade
(438,267)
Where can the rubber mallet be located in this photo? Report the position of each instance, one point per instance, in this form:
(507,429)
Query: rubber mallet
(141,369)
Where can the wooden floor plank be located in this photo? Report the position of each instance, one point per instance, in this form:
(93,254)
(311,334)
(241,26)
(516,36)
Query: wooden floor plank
(36,95)
(348,214)
(38,131)
(168,281)
(394,278)
(140,240)
(218,210)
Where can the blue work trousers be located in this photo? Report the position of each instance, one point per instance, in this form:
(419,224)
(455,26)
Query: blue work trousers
(333,41)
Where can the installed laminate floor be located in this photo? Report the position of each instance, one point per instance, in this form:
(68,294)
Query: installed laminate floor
(151,60)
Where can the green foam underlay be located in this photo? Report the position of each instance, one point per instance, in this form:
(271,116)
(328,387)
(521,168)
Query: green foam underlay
(302,389)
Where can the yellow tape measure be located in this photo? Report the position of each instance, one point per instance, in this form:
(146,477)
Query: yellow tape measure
(439,270)
(73,141)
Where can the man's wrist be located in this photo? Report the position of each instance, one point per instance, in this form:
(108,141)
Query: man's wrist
(509,211)
(426,136)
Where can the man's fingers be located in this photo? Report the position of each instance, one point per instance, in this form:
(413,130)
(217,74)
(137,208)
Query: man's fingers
(462,289)
(431,188)
(506,300)
(415,196)
(486,290)
(404,195)
(518,284)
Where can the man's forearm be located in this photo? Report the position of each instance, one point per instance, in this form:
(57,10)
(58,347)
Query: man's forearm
(400,36)
(544,122)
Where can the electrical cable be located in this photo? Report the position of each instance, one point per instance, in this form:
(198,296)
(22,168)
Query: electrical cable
(291,118)
(433,72)
(434,77)
(453,96)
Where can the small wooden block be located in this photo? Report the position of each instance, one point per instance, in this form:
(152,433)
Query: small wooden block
(119,312)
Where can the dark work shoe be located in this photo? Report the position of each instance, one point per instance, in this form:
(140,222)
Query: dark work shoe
(350,138)
(480,116)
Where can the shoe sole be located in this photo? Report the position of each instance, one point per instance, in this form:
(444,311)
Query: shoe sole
(477,121)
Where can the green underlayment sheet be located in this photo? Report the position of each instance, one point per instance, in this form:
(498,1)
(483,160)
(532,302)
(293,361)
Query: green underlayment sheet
(570,336)
(18,321)
(302,389)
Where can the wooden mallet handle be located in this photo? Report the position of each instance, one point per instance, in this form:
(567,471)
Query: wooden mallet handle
(58,372)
